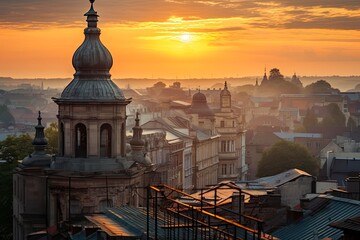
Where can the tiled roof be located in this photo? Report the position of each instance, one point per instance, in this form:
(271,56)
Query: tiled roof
(316,225)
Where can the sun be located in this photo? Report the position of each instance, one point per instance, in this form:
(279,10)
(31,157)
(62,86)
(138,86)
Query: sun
(185,37)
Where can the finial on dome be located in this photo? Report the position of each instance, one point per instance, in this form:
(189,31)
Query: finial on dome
(226,87)
(92,17)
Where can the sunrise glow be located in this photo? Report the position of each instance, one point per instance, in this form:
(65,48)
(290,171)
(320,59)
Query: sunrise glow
(166,39)
(186,37)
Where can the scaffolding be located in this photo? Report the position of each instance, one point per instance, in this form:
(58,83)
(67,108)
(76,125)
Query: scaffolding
(175,214)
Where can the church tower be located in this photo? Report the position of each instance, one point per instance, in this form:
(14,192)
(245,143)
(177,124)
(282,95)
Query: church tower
(92,109)
(265,78)
(92,170)
(225,99)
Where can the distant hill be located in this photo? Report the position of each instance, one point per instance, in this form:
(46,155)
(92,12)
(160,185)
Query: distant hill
(344,83)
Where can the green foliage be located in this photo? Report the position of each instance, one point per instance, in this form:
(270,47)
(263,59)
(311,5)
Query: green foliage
(51,133)
(335,118)
(16,147)
(5,116)
(6,210)
(275,75)
(285,155)
(320,86)
(310,120)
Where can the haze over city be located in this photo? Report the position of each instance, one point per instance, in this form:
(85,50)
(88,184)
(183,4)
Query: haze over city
(185,39)
(180,119)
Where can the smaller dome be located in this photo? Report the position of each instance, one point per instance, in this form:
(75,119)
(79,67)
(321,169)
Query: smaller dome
(199,98)
(199,105)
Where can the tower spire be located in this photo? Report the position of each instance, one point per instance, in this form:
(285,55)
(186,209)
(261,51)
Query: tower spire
(92,17)
(38,157)
(39,141)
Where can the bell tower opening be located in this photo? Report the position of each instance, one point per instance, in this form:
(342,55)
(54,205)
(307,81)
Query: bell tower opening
(105,140)
(80,141)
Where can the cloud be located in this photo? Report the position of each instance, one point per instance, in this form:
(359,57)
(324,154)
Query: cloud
(324,14)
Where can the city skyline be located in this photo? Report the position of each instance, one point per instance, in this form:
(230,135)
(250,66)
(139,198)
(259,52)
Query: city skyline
(172,39)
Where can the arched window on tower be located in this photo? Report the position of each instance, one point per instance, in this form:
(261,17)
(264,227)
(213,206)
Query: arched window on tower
(105,140)
(80,141)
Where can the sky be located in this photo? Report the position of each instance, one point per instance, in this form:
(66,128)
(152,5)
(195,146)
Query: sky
(184,38)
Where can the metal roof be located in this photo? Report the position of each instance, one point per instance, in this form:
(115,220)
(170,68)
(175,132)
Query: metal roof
(282,178)
(352,224)
(291,136)
(316,225)
(127,222)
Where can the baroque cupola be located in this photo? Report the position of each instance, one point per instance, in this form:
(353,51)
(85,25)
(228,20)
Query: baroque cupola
(200,106)
(92,62)
(92,108)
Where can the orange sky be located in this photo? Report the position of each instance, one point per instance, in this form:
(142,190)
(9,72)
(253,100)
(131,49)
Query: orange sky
(189,38)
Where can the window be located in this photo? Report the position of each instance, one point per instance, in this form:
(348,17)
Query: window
(105,141)
(222,124)
(80,141)
(223,146)
(223,169)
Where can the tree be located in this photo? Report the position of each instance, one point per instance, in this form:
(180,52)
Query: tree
(310,120)
(285,155)
(51,133)
(11,149)
(16,147)
(275,75)
(320,86)
(335,117)
(6,198)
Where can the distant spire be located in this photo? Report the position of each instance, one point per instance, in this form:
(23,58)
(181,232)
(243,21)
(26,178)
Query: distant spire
(265,76)
(225,87)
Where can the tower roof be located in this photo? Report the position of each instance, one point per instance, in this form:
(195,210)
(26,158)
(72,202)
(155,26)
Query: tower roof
(225,91)
(92,62)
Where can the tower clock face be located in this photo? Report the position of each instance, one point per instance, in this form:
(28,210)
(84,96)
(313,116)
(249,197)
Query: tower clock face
(226,102)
